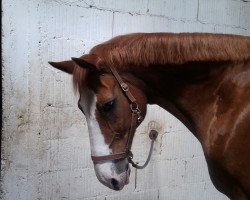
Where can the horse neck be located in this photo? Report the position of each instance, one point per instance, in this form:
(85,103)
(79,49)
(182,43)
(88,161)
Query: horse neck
(186,91)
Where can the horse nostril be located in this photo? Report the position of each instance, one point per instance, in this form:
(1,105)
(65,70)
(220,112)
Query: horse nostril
(115,184)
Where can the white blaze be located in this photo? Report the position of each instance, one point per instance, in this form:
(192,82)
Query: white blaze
(97,142)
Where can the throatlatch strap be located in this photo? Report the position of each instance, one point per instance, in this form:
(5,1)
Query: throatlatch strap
(131,132)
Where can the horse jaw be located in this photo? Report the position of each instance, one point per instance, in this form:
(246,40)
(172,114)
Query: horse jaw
(114,175)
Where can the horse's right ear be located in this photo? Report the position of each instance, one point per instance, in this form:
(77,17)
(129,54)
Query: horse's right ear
(65,66)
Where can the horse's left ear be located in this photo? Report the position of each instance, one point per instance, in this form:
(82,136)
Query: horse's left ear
(83,63)
(65,66)
(88,61)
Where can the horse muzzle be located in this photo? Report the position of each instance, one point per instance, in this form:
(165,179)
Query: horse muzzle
(113,174)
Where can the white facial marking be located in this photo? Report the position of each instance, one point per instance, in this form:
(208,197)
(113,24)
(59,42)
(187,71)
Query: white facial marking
(107,170)
(97,141)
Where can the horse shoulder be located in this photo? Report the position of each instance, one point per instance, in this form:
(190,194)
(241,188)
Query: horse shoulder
(227,144)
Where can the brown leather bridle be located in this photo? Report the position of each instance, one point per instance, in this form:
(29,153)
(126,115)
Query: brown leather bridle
(135,120)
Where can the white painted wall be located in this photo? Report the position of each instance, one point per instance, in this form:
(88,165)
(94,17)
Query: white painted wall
(45,146)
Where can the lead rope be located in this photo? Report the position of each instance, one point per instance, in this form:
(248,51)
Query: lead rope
(152,135)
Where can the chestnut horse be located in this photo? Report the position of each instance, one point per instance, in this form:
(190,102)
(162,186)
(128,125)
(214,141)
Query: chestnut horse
(202,79)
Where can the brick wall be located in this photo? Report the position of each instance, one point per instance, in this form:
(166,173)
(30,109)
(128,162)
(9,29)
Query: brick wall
(45,146)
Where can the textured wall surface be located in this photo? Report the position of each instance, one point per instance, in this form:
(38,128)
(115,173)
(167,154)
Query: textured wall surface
(45,145)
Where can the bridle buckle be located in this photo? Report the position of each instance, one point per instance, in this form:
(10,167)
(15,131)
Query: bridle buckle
(124,87)
(135,110)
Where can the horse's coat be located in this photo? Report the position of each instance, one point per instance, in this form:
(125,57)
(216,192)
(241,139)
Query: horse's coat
(202,79)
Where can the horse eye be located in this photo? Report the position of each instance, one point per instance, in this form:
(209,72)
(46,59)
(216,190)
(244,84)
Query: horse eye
(109,106)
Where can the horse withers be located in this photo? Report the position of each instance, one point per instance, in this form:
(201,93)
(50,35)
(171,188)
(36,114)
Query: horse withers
(202,79)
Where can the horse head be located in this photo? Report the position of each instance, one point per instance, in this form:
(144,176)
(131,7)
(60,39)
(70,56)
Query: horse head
(113,111)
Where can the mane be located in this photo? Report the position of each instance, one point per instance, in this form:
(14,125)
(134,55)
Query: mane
(147,49)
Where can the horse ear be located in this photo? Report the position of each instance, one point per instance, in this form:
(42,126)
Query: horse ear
(85,63)
(65,66)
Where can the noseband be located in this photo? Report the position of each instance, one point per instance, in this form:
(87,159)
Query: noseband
(136,119)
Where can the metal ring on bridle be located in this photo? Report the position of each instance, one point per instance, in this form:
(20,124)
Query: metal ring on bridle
(134,107)
(124,87)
